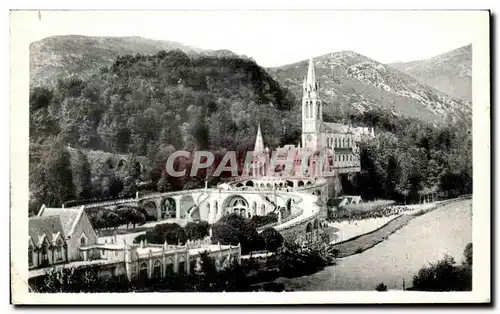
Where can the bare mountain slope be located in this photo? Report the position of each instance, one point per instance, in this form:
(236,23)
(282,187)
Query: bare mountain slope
(450,72)
(351,81)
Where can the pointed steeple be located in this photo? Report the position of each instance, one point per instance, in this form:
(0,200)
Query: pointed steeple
(311,76)
(259,142)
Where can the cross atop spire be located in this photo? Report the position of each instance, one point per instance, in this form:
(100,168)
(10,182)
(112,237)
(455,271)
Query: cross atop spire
(259,142)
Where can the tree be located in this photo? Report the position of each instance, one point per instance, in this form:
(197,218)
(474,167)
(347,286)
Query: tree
(272,239)
(468,255)
(443,276)
(393,174)
(111,186)
(234,229)
(196,230)
(58,177)
(82,179)
(381,287)
(163,184)
(40,97)
(172,233)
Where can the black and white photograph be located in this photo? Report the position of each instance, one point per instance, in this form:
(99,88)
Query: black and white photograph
(260,152)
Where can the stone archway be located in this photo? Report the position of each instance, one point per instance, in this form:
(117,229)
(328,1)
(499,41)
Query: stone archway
(316,224)
(157,269)
(150,210)
(309,228)
(236,204)
(309,232)
(181,266)
(168,208)
(185,204)
(249,183)
(143,271)
(300,183)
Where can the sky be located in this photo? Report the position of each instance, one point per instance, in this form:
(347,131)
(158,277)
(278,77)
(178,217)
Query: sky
(274,38)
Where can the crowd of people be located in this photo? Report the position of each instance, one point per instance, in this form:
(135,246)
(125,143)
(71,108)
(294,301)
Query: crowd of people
(342,214)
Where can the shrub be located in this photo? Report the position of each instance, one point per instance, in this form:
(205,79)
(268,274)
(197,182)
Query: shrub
(272,239)
(172,233)
(444,276)
(468,255)
(273,286)
(381,287)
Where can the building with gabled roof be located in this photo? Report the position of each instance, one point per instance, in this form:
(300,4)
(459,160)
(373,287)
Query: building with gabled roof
(76,227)
(47,242)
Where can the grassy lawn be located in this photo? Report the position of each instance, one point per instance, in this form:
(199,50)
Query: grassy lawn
(369,240)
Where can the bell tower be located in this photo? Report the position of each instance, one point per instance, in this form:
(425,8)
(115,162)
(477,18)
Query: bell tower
(312,110)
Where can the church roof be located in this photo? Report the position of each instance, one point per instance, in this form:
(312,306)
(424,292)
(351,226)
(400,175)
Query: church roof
(68,217)
(334,128)
(310,83)
(41,227)
(259,142)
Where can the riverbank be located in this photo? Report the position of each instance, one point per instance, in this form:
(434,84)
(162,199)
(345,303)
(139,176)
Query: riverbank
(368,240)
(425,239)
(360,243)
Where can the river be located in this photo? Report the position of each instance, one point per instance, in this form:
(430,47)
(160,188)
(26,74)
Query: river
(426,238)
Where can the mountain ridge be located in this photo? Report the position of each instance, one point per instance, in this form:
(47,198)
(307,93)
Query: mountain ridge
(449,72)
(351,81)
(58,56)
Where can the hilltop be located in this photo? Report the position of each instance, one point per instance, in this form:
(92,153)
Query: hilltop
(60,56)
(450,72)
(353,82)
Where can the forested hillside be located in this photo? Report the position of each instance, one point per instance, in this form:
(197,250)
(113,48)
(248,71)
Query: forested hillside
(144,104)
(59,56)
(141,102)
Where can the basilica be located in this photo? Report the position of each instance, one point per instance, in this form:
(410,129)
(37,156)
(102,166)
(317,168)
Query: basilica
(339,141)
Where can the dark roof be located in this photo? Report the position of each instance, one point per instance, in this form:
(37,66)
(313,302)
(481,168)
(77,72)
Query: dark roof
(48,226)
(334,127)
(67,217)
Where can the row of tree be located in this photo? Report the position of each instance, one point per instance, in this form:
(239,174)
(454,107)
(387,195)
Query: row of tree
(409,158)
(174,233)
(103,218)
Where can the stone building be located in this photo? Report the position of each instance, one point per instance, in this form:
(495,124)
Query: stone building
(77,229)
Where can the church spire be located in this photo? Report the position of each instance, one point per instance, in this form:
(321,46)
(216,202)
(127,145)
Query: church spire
(311,77)
(259,142)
